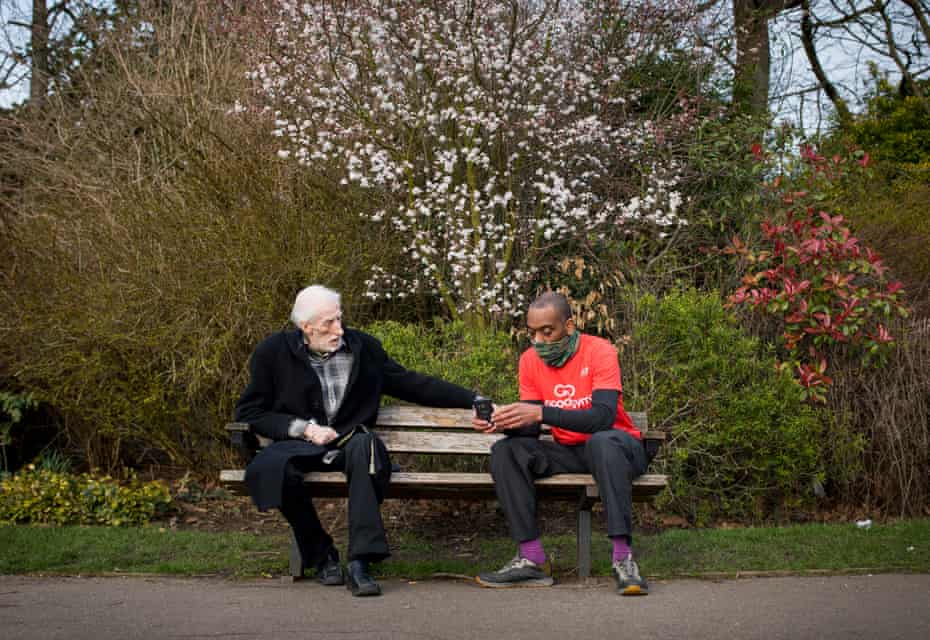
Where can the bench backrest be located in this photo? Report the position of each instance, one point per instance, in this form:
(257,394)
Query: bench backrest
(426,430)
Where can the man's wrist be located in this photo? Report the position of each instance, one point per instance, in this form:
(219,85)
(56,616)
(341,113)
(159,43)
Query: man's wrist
(549,415)
(298,428)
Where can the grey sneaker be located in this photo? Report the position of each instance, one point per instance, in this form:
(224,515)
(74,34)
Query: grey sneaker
(629,582)
(519,572)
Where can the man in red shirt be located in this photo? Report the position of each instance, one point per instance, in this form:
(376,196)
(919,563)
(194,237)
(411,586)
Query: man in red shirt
(571,382)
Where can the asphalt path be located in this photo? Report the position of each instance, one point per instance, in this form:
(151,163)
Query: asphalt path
(860,606)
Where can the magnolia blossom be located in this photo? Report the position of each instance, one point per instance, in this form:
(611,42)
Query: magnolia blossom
(491,136)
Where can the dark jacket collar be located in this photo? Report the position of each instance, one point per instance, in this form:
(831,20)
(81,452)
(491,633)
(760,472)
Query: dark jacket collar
(295,341)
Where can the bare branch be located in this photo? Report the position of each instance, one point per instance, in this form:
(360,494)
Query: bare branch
(907,80)
(807,40)
(920,13)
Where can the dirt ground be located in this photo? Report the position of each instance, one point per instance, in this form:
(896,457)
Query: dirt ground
(206,506)
(215,509)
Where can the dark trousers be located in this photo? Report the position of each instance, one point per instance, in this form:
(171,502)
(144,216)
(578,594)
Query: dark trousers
(367,539)
(613,457)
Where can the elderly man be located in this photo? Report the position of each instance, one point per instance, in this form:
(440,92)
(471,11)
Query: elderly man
(315,391)
(571,382)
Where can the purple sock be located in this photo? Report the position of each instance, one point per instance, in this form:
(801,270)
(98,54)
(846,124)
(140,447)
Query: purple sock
(621,548)
(533,550)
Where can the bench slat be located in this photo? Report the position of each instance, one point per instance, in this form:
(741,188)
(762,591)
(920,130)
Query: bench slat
(432,442)
(424,484)
(398,415)
(438,442)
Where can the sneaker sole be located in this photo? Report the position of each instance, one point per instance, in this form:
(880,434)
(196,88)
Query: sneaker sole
(634,590)
(535,582)
(365,592)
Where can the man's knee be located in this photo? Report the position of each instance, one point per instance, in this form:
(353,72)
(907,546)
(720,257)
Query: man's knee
(505,449)
(617,447)
(509,453)
(609,443)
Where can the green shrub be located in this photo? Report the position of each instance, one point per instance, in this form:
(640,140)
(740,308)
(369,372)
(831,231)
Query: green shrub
(48,497)
(888,209)
(741,443)
(895,128)
(12,408)
(483,361)
(177,242)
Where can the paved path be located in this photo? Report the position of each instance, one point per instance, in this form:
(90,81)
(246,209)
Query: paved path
(874,607)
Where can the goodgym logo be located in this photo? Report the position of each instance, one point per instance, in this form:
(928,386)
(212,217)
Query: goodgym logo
(563,390)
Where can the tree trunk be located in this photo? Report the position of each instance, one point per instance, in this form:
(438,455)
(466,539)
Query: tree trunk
(753,56)
(751,83)
(39,76)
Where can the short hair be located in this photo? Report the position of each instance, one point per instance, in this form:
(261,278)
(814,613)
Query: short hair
(310,300)
(555,300)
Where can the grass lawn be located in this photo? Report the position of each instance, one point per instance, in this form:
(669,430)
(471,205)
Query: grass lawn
(900,546)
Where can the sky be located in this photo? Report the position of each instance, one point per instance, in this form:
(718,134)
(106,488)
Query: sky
(847,64)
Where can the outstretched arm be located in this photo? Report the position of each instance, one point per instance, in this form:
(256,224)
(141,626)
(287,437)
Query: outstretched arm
(599,417)
(423,389)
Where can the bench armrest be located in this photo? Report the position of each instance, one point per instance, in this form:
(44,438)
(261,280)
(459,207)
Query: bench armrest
(243,440)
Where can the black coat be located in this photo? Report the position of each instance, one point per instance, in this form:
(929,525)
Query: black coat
(283,386)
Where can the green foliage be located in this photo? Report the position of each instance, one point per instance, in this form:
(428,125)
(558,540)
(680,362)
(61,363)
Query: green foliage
(742,444)
(481,360)
(53,460)
(888,209)
(143,265)
(819,284)
(887,206)
(895,128)
(12,408)
(49,497)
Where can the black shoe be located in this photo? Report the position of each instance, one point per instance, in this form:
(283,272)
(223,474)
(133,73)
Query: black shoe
(330,572)
(359,582)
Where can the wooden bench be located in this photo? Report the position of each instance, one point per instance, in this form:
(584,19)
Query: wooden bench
(448,432)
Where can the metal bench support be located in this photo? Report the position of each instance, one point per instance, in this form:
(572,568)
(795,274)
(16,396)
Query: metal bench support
(583,537)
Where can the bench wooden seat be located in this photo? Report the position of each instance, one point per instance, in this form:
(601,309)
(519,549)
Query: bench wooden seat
(447,432)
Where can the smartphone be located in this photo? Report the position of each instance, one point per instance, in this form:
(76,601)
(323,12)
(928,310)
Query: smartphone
(483,408)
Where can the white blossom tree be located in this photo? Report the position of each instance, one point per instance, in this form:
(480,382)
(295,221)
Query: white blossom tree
(490,132)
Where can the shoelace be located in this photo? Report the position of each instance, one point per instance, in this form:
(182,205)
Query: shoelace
(515,563)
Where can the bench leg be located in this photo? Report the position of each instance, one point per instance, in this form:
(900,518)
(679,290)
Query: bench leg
(295,561)
(584,531)
(584,543)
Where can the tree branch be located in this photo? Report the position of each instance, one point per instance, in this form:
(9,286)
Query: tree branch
(921,16)
(907,80)
(807,40)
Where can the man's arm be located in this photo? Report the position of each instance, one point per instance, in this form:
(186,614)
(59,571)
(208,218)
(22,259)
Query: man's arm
(527,413)
(255,403)
(423,389)
(600,417)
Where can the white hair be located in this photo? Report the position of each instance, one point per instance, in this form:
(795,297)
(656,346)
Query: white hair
(309,302)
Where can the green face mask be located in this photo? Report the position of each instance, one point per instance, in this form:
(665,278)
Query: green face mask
(556,354)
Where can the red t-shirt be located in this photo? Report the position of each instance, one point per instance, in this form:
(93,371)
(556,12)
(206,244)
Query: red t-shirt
(593,366)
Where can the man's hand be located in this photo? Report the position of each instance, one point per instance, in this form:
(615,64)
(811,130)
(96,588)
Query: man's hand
(482,425)
(319,435)
(510,416)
